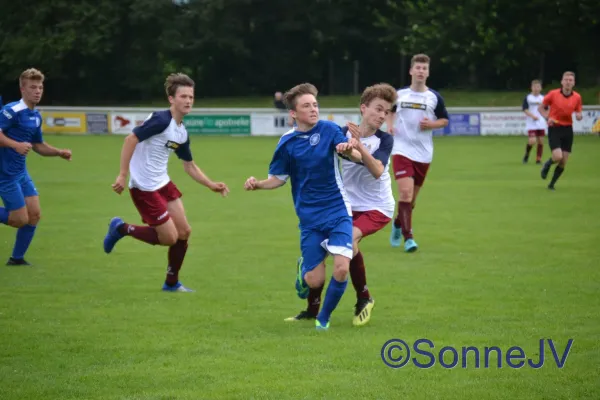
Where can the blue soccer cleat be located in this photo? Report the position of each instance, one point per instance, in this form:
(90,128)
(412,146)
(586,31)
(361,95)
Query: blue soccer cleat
(396,236)
(301,286)
(320,326)
(113,235)
(410,246)
(177,288)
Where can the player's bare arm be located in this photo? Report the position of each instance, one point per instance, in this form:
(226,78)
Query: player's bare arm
(272,182)
(427,124)
(196,174)
(126,153)
(531,115)
(20,147)
(544,110)
(44,149)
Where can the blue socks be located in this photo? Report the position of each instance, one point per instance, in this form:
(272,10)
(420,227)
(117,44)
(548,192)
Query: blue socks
(3,215)
(24,237)
(334,293)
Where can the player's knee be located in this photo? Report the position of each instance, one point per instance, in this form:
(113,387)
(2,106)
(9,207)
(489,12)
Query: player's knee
(34,218)
(315,278)
(341,266)
(406,195)
(18,219)
(185,233)
(168,238)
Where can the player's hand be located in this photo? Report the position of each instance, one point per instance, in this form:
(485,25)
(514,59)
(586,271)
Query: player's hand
(345,148)
(550,122)
(426,124)
(65,154)
(354,130)
(219,187)
(119,184)
(22,148)
(579,116)
(535,118)
(251,183)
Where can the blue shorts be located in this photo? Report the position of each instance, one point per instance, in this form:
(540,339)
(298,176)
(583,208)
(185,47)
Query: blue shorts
(333,237)
(13,191)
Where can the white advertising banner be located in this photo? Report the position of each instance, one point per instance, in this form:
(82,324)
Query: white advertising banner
(589,124)
(123,123)
(503,123)
(277,124)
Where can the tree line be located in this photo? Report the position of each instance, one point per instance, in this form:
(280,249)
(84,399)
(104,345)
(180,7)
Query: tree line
(108,51)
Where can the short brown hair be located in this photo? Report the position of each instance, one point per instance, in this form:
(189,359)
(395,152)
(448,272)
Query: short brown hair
(533,82)
(290,97)
(175,81)
(381,91)
(31,74)
(420,58)
(566,73)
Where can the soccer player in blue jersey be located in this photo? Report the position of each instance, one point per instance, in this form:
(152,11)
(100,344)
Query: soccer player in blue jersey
(307,155)
(20,131)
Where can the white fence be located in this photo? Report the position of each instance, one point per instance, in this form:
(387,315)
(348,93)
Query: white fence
(464,121)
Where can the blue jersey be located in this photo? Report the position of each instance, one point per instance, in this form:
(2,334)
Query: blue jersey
(21,124)
(310,161)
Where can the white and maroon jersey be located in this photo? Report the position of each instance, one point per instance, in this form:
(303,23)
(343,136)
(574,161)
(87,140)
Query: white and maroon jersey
(531,103)
(364,191)
(409,140)
(159,136)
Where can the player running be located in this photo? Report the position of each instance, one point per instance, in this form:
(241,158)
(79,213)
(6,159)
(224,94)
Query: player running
(418,111)
(368,184)
(563,103)
(535,124)
(21,131)
(146,154)
(307,156)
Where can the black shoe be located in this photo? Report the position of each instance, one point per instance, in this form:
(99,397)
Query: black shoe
(525,160)
(14,261)
(545,170)
(538,162)
(303,316)
(551,187)
(362,311)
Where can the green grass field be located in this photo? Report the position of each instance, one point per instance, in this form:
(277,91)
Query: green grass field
(502,262)
(453,98)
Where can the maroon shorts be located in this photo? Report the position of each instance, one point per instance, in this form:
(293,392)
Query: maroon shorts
(152,206)
(369,222)
(536,133)
(407,168)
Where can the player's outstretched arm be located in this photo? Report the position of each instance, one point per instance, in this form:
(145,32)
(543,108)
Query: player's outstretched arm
(44,149)
(273,182)
(196,174)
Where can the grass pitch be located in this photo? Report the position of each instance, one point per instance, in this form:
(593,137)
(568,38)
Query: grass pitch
(502,262)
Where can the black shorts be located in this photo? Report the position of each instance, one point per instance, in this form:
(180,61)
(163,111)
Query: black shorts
(560,137)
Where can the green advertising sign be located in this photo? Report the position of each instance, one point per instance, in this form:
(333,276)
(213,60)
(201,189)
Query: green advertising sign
(217,124)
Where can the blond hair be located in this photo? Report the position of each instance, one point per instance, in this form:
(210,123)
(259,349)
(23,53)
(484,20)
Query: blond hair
(291,96)
(31,74)
(175,81)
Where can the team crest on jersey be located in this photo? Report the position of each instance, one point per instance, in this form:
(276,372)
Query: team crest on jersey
(172,145)
(38,121)
(414,106)
(314,139)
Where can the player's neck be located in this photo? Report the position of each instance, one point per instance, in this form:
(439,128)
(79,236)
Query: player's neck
(566,92)
(418,86)
(302,127)
(178,117)
(29,104)
(366,130)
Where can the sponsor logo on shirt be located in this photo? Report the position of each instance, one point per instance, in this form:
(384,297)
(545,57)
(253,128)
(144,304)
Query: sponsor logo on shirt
(414,106)
(7,114)
(172,145)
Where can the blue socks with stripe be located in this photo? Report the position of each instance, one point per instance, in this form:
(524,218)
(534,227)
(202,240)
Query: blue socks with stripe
(334,293)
